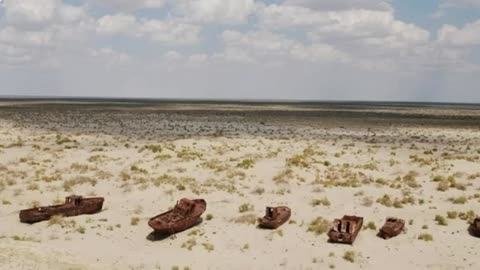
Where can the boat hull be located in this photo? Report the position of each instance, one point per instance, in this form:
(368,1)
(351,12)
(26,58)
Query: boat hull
(345,230)
(86,206)
(283,216)
(175,221)
(392,227)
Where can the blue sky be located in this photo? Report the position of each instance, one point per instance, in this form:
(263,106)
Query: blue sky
(408,50)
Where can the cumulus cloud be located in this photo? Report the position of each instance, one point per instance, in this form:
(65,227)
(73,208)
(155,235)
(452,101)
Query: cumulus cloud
(469,35)
(169,32)
(343,4)
(211,46)
(128,5)
(217,11)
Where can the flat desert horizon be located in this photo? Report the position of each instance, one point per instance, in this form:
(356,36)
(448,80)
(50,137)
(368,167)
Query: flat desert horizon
(417,162)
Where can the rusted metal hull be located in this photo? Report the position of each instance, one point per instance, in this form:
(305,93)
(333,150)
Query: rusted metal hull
(391,228)
(177,220)
(475,227)
(84,206)
(345,230)
(282,215)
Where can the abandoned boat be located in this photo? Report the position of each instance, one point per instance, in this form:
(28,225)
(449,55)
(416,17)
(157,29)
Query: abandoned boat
(274,217)
(392,227)
(345,230)
(475,227)
(73,206)
(184,215)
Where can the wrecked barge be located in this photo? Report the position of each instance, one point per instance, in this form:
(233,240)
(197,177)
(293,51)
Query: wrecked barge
(274,217)
(345,230)
(392,227)
(183,216)
(74,205)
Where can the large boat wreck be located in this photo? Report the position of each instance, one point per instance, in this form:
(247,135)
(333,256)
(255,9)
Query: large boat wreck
(345,230)
(392,227)
(184,215)
(274,217)
(475,227)
(74,205)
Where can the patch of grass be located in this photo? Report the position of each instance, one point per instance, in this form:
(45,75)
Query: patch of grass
(319,226)
(189,244)
(452,214)
(425,237)
(81,230)
(441,220)
(324,201)
(246,207)
(246,164)
(349,256)
(79,180)
(135,168)
(152,148)
(370,225)
(246,219)
(209,247)
(134,221)
(459,200)
(209,217)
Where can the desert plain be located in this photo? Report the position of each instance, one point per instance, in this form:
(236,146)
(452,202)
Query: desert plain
(418,162)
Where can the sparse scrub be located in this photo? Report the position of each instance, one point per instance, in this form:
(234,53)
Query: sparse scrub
(246,207)
(425,237)
(324,201)
(349,256)
(319,226)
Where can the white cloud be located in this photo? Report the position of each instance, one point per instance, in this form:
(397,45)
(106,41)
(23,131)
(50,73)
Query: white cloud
(269,47)
(128,5)
(342,4)
(469,35)
(216,11)
(169,32)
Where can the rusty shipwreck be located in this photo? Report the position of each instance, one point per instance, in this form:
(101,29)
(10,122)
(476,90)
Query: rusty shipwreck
(345,230)
(475,227)
(392,227)
(184,215)
(73,206)
(274,217)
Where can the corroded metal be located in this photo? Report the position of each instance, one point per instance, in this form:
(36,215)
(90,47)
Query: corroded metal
(475,227)
(345,230)
(73,206)
(184,215)
(274,217)
(392,227)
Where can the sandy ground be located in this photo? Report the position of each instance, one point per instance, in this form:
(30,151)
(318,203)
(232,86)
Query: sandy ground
(143,165)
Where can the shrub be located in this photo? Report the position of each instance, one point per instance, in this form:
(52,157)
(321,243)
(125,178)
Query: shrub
(319,226)
(441,220)
(425,237)
(324,202)
(134,221)
(246,164)
(371,225)
(349,256)
(209,217)
(246,207)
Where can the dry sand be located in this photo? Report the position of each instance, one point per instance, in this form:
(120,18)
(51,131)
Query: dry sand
(142,161)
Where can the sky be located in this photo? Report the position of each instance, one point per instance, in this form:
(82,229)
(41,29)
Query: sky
(385,50)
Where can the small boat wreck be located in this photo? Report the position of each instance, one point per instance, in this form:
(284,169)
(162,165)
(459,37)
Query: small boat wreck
(74,205)
(345,230)
(184,215)
(475,227)
(274,217)
(392,227)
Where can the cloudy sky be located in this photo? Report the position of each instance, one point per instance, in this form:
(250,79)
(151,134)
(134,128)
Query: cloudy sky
(409,50)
